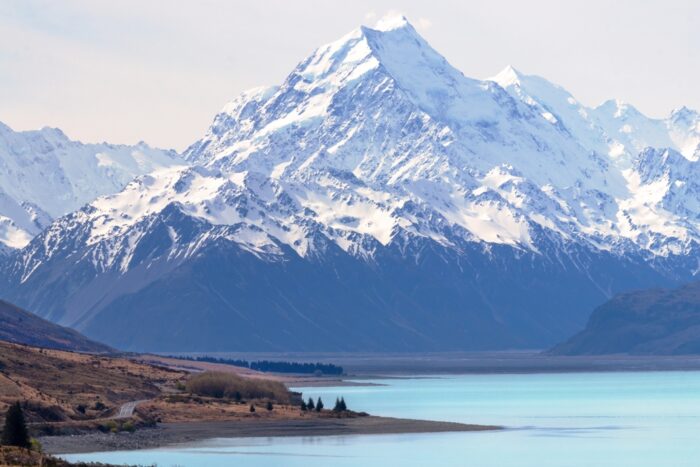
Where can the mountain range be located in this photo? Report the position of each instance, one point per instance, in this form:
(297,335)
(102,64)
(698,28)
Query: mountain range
(45,175)
(377,199)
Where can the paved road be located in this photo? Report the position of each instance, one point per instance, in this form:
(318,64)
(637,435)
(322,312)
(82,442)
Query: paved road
(127,410)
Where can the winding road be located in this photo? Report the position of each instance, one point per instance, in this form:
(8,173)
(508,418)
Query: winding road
(127,410)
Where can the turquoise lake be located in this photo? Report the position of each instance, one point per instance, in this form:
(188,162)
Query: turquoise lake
(573,419)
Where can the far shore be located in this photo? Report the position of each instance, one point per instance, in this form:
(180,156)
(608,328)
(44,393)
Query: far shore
(167,434)
(362,368)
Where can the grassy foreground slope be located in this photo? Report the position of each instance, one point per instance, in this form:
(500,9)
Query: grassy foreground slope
(62,386)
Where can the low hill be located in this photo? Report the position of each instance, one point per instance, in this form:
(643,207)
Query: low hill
(650,322)
(61,386)
(22,327)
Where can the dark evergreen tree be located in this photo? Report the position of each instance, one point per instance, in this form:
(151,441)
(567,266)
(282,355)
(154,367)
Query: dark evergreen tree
(15,432)
(269,405)
(319,405)
(252,408)
(310,405)
(340,405)
(303,406)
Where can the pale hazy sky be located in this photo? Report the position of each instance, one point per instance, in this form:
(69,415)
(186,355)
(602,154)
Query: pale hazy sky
(158,71)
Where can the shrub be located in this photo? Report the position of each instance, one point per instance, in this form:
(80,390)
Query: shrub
(48,413)
(269,405)
(227,385)
(252,408)
(109,427)
(36,445)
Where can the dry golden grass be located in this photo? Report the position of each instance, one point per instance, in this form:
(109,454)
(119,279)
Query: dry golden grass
(189,409)
(13,457)
(56,384)
(66,391)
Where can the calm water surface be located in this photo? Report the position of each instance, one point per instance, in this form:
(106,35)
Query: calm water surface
(592,419)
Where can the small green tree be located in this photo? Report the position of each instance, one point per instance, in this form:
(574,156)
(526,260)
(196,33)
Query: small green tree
(252,408)
(336,407)
(269,405)
(15,432)
(319,405)
(310,405)
(303,406)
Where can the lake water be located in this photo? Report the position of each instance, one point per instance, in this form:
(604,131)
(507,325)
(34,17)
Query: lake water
(592,419)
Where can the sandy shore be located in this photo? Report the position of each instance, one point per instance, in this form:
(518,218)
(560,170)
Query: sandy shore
(179,433)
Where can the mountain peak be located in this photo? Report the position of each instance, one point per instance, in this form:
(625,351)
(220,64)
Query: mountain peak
(509,76)
(683,113)
(391,23)
(618,108)
(53,133)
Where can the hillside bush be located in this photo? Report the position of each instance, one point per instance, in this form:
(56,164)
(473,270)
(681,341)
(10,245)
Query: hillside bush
(230,386)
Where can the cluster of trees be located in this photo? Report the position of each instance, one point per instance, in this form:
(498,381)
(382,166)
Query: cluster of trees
(227,385)
(340,405)
(273,366)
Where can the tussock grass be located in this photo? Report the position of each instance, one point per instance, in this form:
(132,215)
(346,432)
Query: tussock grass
(229,386)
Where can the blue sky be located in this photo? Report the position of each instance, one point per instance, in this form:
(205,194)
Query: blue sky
(125,71)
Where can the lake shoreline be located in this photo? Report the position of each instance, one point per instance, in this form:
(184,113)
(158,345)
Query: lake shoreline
(168,434)
(364,367)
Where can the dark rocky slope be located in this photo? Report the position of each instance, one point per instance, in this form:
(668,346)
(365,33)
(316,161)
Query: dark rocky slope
(22,327)
(656,321)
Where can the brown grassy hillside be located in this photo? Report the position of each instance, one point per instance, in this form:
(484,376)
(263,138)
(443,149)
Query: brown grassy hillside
(62,386)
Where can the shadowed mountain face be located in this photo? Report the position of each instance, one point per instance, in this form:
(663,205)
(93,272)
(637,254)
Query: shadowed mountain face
(378,199)
(655,321)
(21,327)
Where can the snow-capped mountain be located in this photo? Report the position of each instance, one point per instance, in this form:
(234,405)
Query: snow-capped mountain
(44,175)
(378,199)
(614,128)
